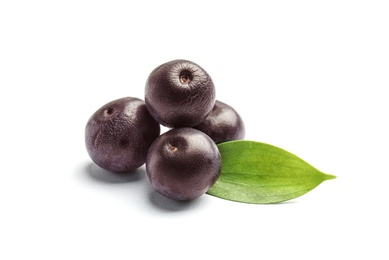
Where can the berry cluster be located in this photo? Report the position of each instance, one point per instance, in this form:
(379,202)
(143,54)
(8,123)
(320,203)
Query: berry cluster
(184,162)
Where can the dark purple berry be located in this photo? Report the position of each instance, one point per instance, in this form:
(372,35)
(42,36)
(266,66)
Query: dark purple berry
(223,124)
(183,164)
(119,134)
(179,93)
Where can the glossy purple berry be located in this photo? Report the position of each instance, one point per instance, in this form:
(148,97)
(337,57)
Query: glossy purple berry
(223,124)
(119,134)
(183,164)
(179,93)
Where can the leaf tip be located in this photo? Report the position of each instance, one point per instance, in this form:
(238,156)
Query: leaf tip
(329,177)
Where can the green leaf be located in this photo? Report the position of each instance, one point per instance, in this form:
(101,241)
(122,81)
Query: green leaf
(255,172)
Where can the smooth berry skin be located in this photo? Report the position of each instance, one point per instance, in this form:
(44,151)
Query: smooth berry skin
(183,164)
(223,124)
(179,93)
(119,134)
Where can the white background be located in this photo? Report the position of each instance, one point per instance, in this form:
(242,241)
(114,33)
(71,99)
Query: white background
(307,76)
